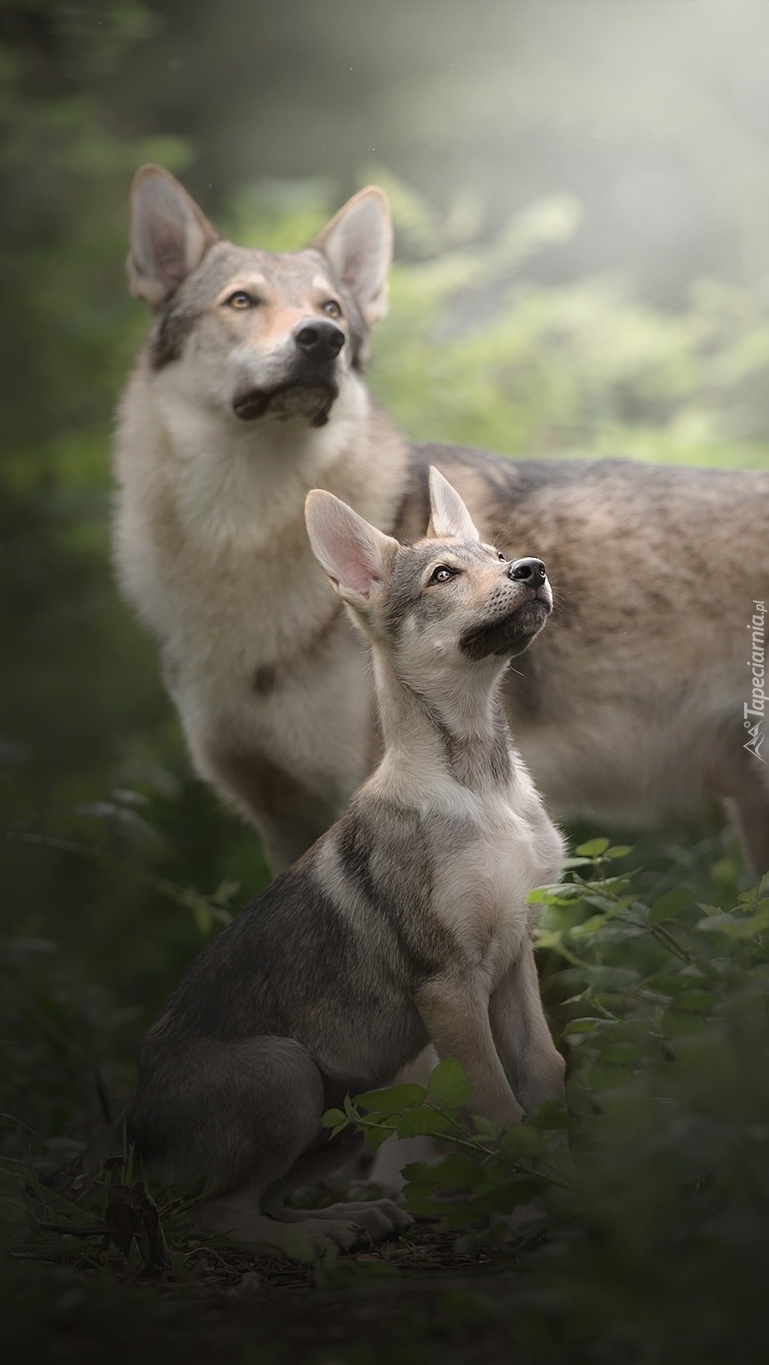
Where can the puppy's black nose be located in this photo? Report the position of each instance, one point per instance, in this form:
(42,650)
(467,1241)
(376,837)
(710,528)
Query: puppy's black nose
(528,571)
(319,339)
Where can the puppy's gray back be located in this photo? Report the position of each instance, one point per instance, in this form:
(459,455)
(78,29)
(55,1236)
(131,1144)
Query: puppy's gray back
(329,954)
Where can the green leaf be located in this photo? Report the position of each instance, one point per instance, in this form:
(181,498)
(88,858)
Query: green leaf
(548,938)
(450,1211)
(545,895)
(486,1128)
(448,1085)
(736,926)
(593,848)
(419,1122)
(619,850)
(588,926)
(697,1002)
(555,894)
(393,1099)
(332,1117)
(420,1173)
(374,1137)
(505,1197)
(522,1140)
(456,1169)
(580,1026)
(611,904)
(614,979)
(677,1023)
(549,1114)
(621,1052)
(671,904)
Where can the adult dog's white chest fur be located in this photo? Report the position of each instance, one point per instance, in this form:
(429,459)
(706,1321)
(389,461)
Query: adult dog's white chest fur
(256,651)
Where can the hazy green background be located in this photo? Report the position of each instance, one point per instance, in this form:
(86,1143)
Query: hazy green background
(582,204)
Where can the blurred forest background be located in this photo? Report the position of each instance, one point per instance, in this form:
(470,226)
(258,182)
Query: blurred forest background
(581,199)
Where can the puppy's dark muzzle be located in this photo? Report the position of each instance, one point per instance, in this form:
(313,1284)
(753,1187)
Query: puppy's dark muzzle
(528,571)
(515,618)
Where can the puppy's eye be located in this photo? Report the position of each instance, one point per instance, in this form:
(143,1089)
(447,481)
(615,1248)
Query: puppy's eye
(443,574)
(501,556)
(332,309)
(240,299)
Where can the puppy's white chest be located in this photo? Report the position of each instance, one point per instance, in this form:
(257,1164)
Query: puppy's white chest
(483,884)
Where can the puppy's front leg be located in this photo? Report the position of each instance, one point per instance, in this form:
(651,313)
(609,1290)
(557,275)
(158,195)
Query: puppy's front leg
(456,1016)
(532,1063)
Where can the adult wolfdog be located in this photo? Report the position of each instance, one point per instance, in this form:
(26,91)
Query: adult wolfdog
(250,392)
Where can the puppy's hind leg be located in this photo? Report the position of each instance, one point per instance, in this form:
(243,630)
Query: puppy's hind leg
(247,1115)
(374,1220)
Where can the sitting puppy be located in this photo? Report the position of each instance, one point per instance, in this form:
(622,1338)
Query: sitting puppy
(406,923)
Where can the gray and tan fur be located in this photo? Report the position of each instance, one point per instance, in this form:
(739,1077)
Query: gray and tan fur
(406,923)
(249,393)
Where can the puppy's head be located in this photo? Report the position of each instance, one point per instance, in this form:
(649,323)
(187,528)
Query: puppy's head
(445,603)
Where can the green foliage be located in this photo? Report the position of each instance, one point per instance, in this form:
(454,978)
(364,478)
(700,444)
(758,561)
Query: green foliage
(474,351)
(486,1173)
(656,1230)
(659,1230)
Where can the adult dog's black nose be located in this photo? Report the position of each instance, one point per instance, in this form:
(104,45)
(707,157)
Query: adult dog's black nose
(318,339)
(528,571)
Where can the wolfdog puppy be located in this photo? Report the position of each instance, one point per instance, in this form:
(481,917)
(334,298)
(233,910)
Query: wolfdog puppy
(406,923)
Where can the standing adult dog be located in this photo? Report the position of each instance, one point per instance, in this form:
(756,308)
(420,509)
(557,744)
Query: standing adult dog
(248,393)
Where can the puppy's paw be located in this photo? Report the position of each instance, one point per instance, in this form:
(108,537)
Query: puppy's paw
(326,1235)
(381,1218)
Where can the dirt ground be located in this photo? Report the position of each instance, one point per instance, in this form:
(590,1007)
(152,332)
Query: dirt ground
(411,1302)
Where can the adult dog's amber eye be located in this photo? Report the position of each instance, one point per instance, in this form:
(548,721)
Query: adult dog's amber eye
(442,574)
(332,309)
(240,299)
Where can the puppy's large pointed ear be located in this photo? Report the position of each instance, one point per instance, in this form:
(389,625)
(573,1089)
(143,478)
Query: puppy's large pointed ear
(358,244)
(449,518)
(355,555)
(169,234)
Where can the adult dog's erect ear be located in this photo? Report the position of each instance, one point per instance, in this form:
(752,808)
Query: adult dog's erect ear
(358,244)
(170,235)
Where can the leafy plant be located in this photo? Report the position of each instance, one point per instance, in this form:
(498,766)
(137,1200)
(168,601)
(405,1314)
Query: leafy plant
(656,989)
(485,1174)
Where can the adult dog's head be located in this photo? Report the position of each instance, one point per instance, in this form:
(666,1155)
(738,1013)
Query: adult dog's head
(258,332)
